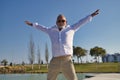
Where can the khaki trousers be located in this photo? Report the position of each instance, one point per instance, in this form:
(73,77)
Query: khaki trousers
(61,64)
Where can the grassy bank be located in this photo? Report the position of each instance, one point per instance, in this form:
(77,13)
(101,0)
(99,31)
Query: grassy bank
(98,67)
(89,67)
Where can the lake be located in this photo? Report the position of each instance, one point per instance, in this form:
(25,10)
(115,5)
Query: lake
(40,76)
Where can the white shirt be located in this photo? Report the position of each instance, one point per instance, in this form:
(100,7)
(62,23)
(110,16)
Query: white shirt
(62,41)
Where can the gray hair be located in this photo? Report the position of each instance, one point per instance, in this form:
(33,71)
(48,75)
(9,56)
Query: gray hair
(60,15)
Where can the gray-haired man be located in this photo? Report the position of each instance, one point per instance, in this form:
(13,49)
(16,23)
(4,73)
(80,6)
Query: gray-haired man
(61,36)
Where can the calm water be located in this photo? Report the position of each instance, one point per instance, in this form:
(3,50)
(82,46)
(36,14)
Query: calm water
(81,76)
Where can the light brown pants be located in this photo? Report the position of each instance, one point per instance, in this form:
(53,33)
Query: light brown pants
(61,64)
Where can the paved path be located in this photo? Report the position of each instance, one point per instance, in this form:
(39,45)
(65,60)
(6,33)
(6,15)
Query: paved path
(105,76)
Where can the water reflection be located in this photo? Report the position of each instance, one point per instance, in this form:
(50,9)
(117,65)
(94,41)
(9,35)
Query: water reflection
(80,76)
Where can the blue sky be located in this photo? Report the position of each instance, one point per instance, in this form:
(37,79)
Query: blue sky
(103,30)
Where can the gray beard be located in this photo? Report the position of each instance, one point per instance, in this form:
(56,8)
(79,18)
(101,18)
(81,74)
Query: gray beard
(61,27)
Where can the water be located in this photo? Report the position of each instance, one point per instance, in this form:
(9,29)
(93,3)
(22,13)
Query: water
(80,76)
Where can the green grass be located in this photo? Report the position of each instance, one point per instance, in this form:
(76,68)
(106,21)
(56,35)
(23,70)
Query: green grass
(99,67)
(43,69)
(89,67)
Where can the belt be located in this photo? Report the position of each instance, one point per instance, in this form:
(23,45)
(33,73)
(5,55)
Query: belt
(63,56)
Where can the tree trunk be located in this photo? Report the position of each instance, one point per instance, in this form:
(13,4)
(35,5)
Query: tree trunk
(78,59)
(81,60)
(98,59)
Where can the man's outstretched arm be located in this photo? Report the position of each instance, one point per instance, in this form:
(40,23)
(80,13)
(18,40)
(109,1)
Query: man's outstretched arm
(83,21)
(36,25)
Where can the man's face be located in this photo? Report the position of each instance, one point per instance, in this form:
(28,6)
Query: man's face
(61,21)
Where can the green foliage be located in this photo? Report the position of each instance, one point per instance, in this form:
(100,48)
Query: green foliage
(79,52)
(97,52)
(11,64)
(4,62)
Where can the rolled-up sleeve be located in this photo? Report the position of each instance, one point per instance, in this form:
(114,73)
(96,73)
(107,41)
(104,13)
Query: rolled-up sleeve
(81,22)
(41,27)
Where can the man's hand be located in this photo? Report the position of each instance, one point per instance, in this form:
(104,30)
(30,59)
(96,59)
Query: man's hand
(29,23)
(95,13)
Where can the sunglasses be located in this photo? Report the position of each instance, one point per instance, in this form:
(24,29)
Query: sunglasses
(59,21)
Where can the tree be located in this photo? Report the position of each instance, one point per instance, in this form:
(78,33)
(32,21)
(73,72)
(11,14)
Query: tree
(46,54)
(79,53)
(4,62)
(23,63)
(31,51)
(97,52)
(39,57)
(11,64)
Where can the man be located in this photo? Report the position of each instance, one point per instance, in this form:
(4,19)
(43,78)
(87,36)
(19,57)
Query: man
(61,36)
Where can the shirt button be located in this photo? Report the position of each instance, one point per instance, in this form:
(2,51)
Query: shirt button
(60,40)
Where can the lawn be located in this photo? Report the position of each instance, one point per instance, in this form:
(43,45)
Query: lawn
(98,67)
(89,67)
(85,68)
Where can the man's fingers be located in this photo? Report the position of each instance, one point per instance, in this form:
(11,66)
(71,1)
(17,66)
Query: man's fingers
(97,11)
(28,23)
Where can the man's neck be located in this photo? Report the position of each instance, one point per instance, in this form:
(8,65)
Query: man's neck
(60,29)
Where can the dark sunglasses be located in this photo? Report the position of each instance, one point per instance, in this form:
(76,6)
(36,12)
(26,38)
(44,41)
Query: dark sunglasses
(61,21)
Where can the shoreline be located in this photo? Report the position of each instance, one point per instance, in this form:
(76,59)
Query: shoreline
(79,68)
(60,72)
(86,76)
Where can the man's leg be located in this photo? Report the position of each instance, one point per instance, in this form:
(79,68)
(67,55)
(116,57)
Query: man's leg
(68,69)
(53,69)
